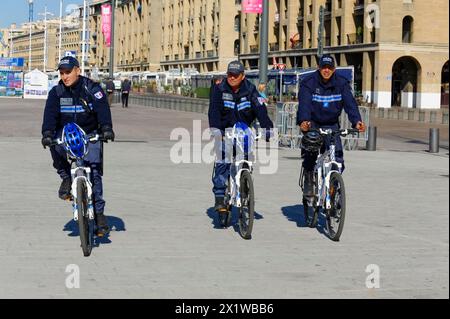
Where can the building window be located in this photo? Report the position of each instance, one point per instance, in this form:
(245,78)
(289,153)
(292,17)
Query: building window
(407,28)
(237,23)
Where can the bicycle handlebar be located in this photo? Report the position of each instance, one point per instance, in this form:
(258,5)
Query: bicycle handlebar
(232,136)
(341,132)
(93,138)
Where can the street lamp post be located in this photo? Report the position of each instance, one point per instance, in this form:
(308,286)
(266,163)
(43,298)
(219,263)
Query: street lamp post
(45,36)
(83,37)
(264,45)
(30,20)
(60,29)
(111,52)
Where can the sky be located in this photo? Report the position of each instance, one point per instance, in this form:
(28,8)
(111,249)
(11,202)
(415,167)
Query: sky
(16,11)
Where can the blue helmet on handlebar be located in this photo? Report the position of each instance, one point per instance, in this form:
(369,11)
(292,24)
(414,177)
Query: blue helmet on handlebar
(74,140)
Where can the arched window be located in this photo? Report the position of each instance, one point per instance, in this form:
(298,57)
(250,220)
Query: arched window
(407,29)
(237,23)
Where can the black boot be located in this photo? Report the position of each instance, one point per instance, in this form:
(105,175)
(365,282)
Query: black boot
(65,188)
(220,205)
(102,225)
(308,185)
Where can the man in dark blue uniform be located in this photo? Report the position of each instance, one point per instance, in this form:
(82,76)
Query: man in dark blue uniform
(235,99)
(322,97)
(80,100)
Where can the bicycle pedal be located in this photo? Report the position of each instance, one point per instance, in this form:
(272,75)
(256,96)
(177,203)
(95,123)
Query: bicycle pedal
(102,233)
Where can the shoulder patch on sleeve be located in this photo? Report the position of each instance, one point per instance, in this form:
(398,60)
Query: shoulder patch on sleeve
(261,100)
(98,95)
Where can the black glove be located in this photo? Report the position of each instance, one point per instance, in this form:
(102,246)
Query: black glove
(108,133)
(47,138)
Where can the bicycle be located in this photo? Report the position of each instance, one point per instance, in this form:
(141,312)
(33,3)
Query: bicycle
(81,190)
(240,191)
(329,195)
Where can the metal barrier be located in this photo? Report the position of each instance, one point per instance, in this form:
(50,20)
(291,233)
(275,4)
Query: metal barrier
(290,134)
(177,103)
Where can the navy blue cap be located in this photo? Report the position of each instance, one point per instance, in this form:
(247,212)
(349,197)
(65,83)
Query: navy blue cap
(68,62)
(326,60)
(235,67)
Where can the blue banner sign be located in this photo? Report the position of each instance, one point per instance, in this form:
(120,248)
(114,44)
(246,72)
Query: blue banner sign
(11,62)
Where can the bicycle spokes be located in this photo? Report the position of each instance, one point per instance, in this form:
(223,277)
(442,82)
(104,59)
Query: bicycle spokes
(336,213)
(246,211)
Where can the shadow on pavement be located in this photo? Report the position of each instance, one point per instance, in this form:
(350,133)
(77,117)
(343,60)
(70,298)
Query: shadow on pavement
(296,214)
(115,224)
(234,218)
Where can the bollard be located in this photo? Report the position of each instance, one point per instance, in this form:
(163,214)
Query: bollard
(372,139)
(434,140)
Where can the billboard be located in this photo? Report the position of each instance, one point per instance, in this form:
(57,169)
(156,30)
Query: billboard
(11,83)
(106,23)
(11,62)
(252,6)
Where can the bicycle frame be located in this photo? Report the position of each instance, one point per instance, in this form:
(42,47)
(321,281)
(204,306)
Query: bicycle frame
(236,170)
(326,164)
(80,171)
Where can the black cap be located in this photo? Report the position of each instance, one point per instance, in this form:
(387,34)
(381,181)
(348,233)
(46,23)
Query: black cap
(235,67)
(68,62)
(326,60)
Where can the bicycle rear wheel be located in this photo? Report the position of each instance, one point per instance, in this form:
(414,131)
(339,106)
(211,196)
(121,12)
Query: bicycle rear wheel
(84,227)
(335,216)
(247,209)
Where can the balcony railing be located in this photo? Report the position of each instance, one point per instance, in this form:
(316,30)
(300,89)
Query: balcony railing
(354,38)
(274,47)
(254,48)
(297,45)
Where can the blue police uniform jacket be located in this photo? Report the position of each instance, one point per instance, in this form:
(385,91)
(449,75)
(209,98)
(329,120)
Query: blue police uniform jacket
(323,103)
(226,107)
(64,106)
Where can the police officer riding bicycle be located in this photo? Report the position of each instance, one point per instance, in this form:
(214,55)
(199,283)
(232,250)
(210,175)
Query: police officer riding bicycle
(79,100)
(322,97)
(233,100)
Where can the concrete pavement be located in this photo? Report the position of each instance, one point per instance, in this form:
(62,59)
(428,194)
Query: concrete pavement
(164,242)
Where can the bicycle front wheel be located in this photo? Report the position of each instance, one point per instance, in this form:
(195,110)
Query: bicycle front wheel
(335,216)
(247,209)
(83,218)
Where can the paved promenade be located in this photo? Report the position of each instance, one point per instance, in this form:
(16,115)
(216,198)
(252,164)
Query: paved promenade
(165,243)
